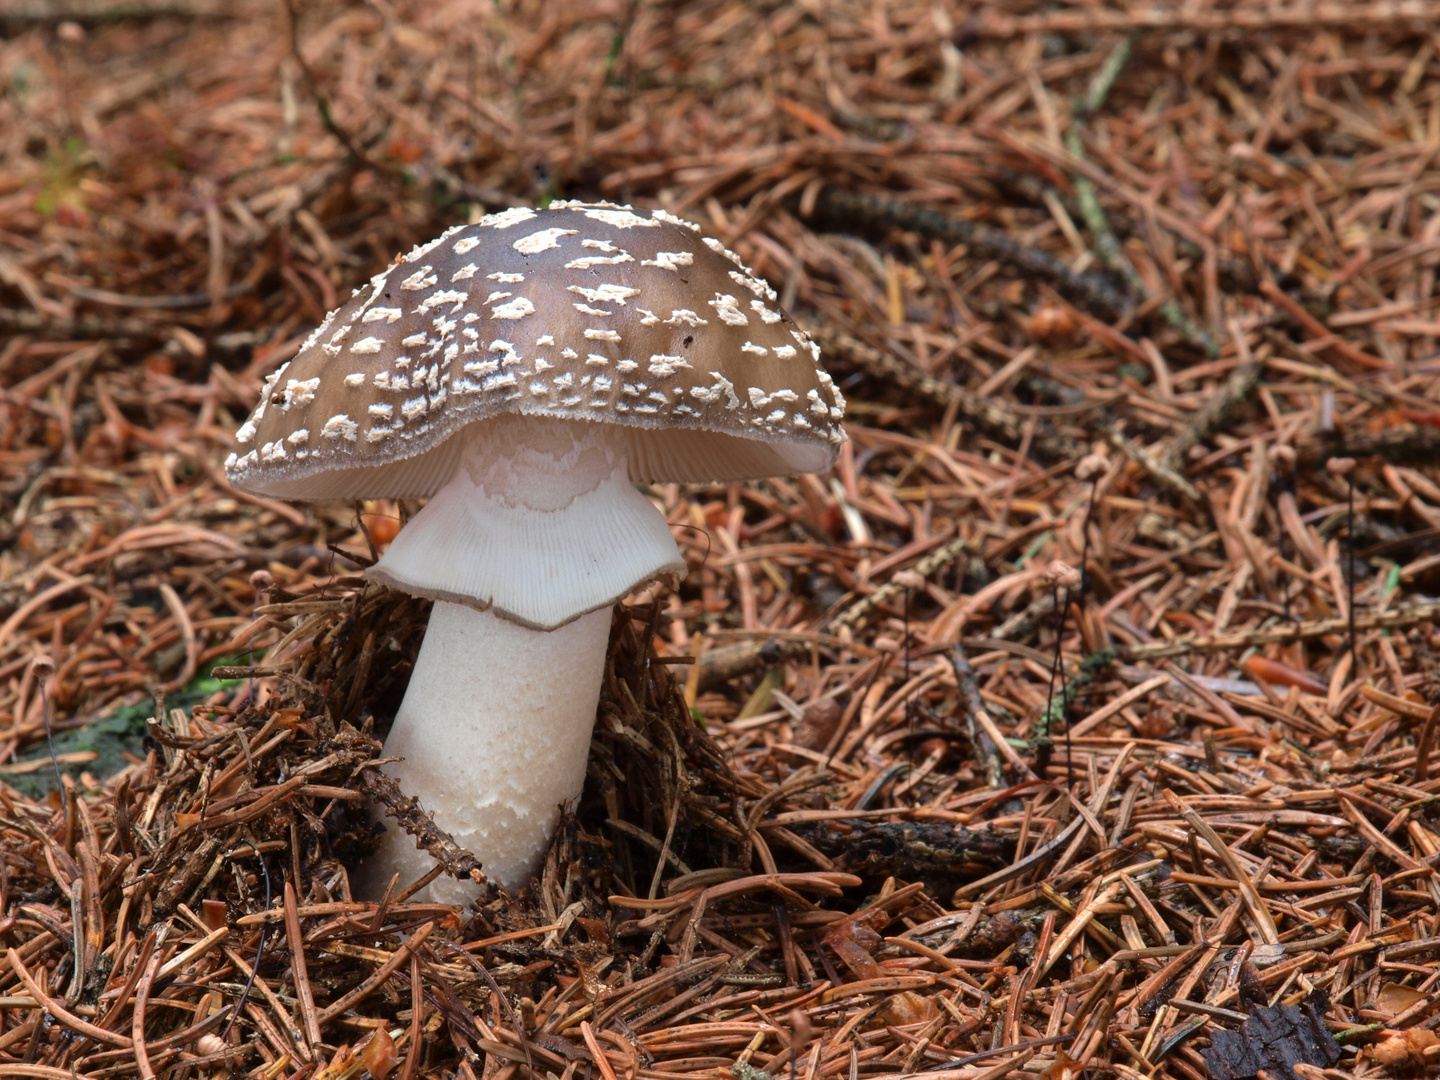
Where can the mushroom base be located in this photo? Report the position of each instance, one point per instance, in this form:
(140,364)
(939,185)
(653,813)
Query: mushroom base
(495,730)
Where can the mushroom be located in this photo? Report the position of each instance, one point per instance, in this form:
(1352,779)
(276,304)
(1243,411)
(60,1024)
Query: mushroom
(523,373)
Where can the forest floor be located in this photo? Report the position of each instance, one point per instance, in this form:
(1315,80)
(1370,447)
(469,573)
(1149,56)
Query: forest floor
(881,789)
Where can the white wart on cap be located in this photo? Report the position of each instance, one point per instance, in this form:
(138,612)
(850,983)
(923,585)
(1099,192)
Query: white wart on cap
(583,311)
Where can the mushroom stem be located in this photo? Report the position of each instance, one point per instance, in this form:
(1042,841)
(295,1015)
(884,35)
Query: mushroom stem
(494,731)
(536,534)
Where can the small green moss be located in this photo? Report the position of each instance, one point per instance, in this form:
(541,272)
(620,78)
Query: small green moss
(113,734)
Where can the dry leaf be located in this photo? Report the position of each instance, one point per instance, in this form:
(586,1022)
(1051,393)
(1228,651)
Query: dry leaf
(379,1056)
(1394,999)
(908,1007)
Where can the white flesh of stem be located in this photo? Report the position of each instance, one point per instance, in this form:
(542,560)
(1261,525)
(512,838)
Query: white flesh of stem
(536,534)
(495,730)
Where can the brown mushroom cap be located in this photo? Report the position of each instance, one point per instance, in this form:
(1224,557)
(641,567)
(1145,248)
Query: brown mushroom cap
(585,311)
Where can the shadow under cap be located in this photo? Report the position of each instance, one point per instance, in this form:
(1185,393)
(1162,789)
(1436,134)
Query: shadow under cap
(655,456)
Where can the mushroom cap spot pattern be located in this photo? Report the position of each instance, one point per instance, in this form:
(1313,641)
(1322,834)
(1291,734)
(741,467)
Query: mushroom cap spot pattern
(424,349)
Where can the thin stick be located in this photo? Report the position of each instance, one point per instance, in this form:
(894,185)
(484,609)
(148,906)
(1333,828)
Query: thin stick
(1064,703)
(1423,743)
(58,1011)
(1285,633)
(937,560)
(383,972)
(1258,911)
(905,647)
(992,416)
(1106,244)
(1085,542)
(259,949)
(997,23)
(308,1014)
(1054,668)
(1344,466)
(599,1055)
(42,667)
(417,1021)
(1350,578)
(137,1022)
(1060,575)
